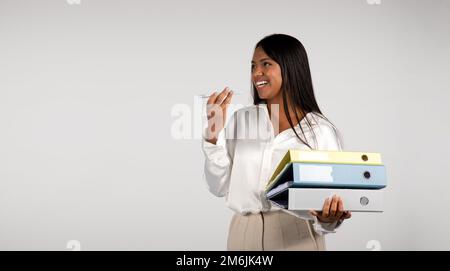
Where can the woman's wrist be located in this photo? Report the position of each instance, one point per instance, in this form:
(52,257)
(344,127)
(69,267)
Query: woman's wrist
(212,141)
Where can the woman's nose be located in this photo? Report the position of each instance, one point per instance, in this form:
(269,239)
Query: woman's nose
(257,71)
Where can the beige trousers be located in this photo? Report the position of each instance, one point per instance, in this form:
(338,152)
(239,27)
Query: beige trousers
(276,230)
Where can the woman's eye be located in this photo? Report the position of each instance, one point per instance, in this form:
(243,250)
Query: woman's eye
(266,64)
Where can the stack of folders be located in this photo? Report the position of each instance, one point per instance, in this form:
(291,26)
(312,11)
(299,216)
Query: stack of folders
(304,179)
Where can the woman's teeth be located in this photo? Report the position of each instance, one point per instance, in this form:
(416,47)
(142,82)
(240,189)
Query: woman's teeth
(261,83)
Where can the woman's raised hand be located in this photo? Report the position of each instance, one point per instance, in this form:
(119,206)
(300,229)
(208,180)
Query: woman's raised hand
(216,110)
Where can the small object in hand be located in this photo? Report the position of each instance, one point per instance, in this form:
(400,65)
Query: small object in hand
(207,95)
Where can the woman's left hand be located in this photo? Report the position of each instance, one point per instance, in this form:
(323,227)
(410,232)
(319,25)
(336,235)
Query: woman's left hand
(333,210)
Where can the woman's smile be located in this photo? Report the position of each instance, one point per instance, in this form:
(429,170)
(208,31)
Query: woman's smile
(261,84)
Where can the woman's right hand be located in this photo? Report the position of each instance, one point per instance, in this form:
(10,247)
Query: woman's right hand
(216,110)
(332,211)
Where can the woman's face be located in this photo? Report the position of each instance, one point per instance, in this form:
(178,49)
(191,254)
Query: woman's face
(266,75)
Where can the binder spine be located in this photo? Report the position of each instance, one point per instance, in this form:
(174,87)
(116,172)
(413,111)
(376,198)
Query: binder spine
(356,200)
(338,157)
(339,175)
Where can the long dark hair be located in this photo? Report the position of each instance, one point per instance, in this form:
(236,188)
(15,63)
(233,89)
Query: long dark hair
(296,87)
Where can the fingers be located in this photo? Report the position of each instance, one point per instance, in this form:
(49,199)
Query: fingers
(218,101)
(212,98)
(346,215)
(340,209)
(333,207)
(326,208)
(219,98)
(216,112)
(227,100)
(313,213)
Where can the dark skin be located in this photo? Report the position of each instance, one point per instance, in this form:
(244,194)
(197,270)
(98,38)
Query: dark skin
(266,70)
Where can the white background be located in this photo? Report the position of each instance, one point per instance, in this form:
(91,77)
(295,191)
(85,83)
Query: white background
(87,91)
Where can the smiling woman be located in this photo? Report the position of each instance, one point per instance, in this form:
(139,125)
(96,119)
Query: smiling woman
(266,75)
(284,64)
(239,167)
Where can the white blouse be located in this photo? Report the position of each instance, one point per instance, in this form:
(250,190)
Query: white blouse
(239,166)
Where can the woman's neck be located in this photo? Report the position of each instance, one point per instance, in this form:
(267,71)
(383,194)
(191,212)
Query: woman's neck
(280,116)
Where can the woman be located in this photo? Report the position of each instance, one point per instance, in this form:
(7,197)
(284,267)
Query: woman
(240,158)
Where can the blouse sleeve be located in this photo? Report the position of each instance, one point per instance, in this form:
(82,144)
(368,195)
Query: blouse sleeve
(218,162)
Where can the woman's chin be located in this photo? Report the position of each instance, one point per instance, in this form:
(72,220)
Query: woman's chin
(263,94)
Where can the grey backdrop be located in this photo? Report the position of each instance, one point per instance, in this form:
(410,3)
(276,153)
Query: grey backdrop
(87,92)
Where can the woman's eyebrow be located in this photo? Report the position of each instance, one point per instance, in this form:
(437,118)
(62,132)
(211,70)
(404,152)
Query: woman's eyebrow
(261,60)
